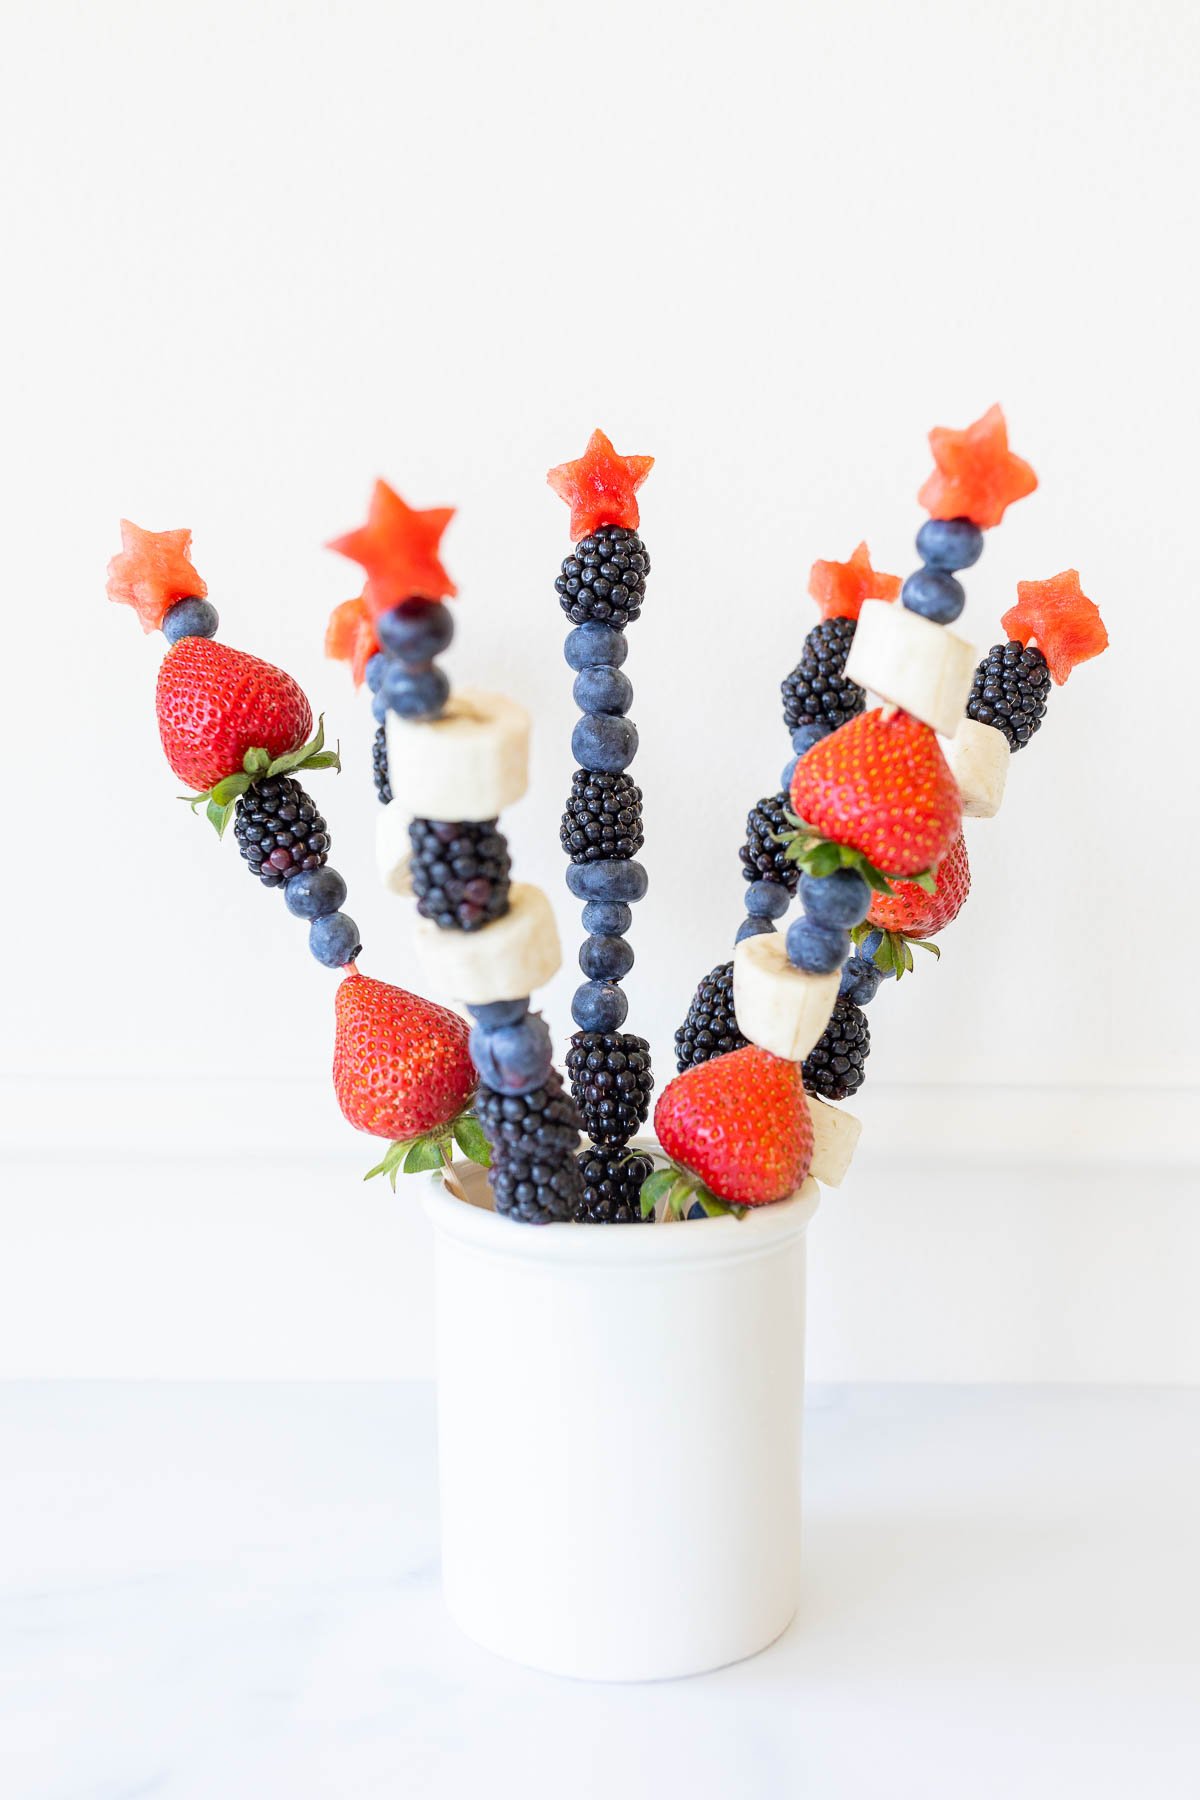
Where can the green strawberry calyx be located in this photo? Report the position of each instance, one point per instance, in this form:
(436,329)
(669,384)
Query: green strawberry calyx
(433,1151)
(672,1191)
(820,856)
(894,952)
(219,801)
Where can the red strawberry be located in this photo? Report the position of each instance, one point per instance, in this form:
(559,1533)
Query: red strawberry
(881,785)
(401,1066)
(741,1123)
(912,912)
(214,704)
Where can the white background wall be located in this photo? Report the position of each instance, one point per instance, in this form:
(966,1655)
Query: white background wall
(260,253)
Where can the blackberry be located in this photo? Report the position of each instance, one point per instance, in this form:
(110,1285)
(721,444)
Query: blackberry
(603,820)
(279,831)
(611,1081)
(836,1065)
(534,1139)
(604,578)
(612,1188)
(379,767)
(818,691)
(1010,691)
(762,858)
(459,872)
(710,1028)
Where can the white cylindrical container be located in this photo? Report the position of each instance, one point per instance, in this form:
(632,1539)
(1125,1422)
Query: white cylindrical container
(619,1417)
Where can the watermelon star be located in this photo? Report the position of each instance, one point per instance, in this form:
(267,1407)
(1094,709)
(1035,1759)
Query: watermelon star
(1066,624)
(350,637)
(152,572)
(839,588)
(398,548)
(600,487)
(977,476)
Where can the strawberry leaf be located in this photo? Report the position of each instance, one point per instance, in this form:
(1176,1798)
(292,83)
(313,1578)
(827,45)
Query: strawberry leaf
(655,1188)
(471,1140)
(256,762)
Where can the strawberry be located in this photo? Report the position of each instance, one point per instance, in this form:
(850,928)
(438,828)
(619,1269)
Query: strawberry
(740,1123)
(880,787)
(910,913)
(214,704)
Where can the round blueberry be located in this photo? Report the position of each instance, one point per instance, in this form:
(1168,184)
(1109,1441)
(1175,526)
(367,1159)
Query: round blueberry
(311,893)
(867,949)
(605,958)
(499,1012)
(599,1006)
(615,878)
(190,618)
(417,631)
(695,1211)
(589,645)
(767,900)
(379,708)
(785,779)
(603,689)
(753,928)
(414,693)
(805,736)
(842,898)
(950,543)
(604,744)
(935,594)
(514,1059)
(607,918)
(376,666)
(334,940)
(860,981)
(818,949)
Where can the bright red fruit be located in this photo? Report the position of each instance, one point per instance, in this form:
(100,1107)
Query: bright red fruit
(152,572)
(1066,624)
(913,913)
(881,785)
(398,548)
(401,1066)
(839,588)
(214,704)
(741,1123)
(600,487)
(350,637)
(977,476)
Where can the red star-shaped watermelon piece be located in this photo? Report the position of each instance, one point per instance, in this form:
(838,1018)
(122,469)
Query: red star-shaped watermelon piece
(152,572)
(350,637)
(398,548)
(1066,624)
(977,476)
(839,588)
(600,487)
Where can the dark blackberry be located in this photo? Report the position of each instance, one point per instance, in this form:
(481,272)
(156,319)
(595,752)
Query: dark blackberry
(279,831)
(379,767)
(818,691)
(612,1187)
(612,1081)
(1010,691)
(604,578)
(534,1139)
(459,872)
(836,1065)
(603,819)
(762,858)
(710,1028)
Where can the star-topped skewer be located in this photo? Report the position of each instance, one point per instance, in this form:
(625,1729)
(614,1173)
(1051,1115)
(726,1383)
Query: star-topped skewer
(839,588)
(398,548)
(1057,615)
(153,570)
(977,476)
(600,487)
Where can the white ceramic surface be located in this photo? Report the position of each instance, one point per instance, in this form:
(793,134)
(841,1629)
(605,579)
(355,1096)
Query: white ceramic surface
(619,1435)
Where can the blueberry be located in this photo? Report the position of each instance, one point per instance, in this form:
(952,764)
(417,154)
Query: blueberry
(785,779)
(599,1006)
(867,949)
(603,743)
(752,928)
(417,631)
(950,543)
(805,736)
(499,1012)
(513,1059)
(589,645)
(818,949)
(311,893)
(607,918)
(935,594)
(414,693)
(603,689)
(613,879)
(379,708)
(842,898)
(605,958)
(695,1211)
(860,980)
(334,940)
(767,900)
(376,666)
(190,618)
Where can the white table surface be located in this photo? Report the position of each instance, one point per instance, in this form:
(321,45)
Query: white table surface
(218,1591)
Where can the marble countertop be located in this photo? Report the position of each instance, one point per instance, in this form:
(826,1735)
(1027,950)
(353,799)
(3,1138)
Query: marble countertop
(230,1592)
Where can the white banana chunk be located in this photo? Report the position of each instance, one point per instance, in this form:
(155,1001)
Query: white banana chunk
(393,852)
(978,758)
(504,961)
(912,663)
(469,763)
(780,1008)
(835,1138)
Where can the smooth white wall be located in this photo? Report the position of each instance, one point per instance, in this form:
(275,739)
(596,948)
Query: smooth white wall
(260,253)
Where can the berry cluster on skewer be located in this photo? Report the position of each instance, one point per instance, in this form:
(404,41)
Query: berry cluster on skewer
(455,760)
(601,589)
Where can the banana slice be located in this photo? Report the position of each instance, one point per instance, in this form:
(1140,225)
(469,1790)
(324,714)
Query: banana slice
(505,961)
(912,663)
(835,1137)
(469,763)
(780,1008)
(393,852)
(979,758)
